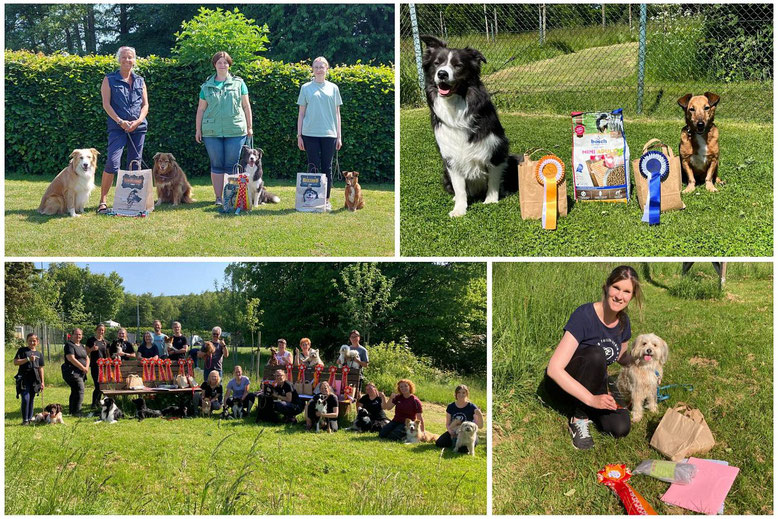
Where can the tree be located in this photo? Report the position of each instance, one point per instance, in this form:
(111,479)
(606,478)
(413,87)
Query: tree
(19,295)
(211,31)
(367,296)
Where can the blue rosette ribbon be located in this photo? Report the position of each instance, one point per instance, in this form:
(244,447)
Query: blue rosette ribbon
(655,167)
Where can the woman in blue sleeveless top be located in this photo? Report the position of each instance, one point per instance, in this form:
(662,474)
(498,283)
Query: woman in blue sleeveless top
(126,102)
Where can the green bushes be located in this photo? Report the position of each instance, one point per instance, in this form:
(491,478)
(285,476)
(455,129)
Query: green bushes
(53,105)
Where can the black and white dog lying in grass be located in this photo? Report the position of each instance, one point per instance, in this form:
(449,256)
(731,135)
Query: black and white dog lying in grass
(470,138)
(109,411)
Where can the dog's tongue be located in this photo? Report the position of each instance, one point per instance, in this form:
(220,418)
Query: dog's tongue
(647,357)
(443,91)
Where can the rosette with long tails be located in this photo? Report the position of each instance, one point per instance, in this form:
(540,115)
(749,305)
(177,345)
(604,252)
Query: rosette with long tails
(190,367)
(316,374)
(331,381)
(301,373)
(615,477)
(181,364)
(101,371)
(168,370)
(145,363)
(117,365)
(289,373)
(655,167)
(550,172)
(159,364)
(344,379)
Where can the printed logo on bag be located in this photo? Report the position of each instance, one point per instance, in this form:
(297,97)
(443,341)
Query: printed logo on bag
(310,195)
(310,181)
(133,197)
(132,181)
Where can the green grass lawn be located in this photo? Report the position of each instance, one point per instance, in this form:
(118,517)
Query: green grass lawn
(723,346)
(736,221)
(199,229)
(208,466)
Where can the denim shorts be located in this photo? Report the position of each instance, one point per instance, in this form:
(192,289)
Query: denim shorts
(117,140)
(224,152)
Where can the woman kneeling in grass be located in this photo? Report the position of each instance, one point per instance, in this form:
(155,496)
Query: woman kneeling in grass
(407,406)
(312,415)
(461,410)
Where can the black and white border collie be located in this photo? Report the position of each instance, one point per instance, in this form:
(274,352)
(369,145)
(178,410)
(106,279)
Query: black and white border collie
(251,162)
(470,138)
(109,411)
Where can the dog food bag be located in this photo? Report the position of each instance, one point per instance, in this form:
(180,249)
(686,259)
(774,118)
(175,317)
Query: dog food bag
(668,471)
(311,192)
(600,157)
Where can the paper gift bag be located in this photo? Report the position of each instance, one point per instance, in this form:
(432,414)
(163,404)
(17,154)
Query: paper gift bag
(682,432)
(531,193)
(134,191)
(671,186)
(311,192)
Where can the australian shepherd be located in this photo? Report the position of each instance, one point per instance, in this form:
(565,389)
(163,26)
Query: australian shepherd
(69,191)
(170,179)
(470,138)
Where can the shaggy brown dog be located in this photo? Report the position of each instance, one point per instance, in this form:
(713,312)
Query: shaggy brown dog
(354,198)
(699,148)
(170,179)
(69,191)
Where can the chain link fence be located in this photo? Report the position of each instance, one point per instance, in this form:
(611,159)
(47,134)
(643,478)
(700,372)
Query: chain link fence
(557,58)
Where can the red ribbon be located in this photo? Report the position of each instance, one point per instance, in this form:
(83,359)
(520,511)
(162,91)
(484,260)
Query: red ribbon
(316,374)
(333,370)
(615,477)
(145,364)
(117,363)
(242,199)
(181,363)
(289,373)
(168,370)
(301,373)
(189,364)
(344,379)
(101,378)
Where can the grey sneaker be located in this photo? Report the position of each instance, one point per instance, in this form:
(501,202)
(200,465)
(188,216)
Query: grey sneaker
(328,207)
(579,430)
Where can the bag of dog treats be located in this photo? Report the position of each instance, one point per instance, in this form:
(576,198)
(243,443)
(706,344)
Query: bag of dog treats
(531,193)
(600,157)
(134,195)
(682,432)
(235,193)
(671,186)
(311,192)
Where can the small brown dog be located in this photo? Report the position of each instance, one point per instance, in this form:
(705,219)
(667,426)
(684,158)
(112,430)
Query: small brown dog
(699,148)
(273,360)
(51,414)
(69,191)
(170,179)
(354,198)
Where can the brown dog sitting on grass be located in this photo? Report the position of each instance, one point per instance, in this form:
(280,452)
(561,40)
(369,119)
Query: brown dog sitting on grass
(354,199)
(699,148)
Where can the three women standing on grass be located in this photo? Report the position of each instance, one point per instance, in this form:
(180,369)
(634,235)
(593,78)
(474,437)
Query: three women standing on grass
(318,122)
(126,101)
(29,379)
(223,119)
(595,336)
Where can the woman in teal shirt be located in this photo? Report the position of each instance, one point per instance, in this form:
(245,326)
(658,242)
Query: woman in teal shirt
(223,119)
(318,121)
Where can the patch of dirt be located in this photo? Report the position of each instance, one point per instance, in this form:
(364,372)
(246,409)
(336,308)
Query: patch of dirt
(703,362)
(732,298)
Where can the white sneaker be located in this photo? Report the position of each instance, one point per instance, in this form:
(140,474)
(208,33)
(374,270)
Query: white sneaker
(328,207)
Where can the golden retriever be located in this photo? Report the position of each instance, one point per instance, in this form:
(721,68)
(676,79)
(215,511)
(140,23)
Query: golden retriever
(69,191)
(170,179)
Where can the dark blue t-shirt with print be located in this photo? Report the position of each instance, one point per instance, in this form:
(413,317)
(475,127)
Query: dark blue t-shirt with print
(464,414)
(589,331)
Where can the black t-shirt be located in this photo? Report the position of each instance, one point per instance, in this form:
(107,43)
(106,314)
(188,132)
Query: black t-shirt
(285,389)
(100,353)
(464,414)
(126,347)
(373,407)
(588,330)
(148,353)
(332,405)
(78,351)
(178,343)
(212,392)
(27,370)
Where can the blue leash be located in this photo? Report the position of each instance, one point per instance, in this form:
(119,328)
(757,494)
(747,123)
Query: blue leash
(661,397)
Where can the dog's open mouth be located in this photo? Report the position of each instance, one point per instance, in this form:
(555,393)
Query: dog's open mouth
(647,357)
(444,89)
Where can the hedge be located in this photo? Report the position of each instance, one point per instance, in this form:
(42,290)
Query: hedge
(53,105)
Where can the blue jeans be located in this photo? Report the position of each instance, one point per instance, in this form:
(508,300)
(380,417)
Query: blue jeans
(28,403)
(224,152)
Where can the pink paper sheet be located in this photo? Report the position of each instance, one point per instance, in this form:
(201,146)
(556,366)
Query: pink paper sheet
(707,491)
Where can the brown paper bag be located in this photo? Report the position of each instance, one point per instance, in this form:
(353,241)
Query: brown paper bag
(671,187)
(531,193)
(682,432)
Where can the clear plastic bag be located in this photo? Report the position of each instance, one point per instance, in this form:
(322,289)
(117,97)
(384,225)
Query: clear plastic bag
(669,471)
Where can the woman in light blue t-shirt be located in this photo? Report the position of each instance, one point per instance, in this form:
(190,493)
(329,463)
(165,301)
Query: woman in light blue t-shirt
(318,122)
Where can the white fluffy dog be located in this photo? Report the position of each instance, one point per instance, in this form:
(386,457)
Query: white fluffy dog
(313,359)
(348,357)
(466,436)
(639,380)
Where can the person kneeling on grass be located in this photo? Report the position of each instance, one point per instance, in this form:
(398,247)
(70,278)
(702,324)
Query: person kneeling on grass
(373,401)
(287,401)
(461,410)
(407,406)
(212,390)
(312,415)
(238,387)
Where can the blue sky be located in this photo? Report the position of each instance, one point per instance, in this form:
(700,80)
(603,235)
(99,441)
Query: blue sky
(168,278)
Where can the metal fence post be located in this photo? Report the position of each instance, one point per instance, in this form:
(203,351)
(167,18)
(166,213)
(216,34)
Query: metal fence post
(641,57)
(416,48)
(541,36)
